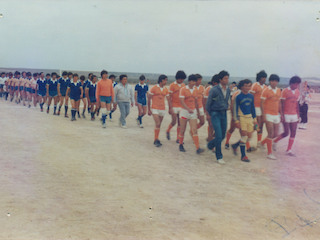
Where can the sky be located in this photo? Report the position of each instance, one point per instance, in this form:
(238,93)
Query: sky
(242,37)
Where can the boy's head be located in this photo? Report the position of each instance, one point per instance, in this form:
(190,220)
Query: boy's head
(3,74)
(29,74)
(180,76)
(245,85)
(224,77)
(112,77)
(41,74)
(10,75)
(70,75)
(274,80)
(294,82)
(17,74)
(54,75)
(48,76)
(142,78)
(261,77)
(104,73)
(162,79)
(24,74)
(192,79)
(64,74)
(82,78)
(123,79)
(75,77)
(199,79)
(215,80)
(90,75)
(94,78)
(35,75)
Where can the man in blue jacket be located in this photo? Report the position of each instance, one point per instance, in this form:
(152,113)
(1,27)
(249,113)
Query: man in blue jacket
(217,106)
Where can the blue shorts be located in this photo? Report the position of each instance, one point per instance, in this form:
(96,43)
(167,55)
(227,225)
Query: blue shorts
(53,93)
(33,90)
(11,88)
(142,101)
(1,85)
(16,88)
(42,94)
(93,99)
(21,88)
(75,98)
(28,90)
(63,92)
(105,99)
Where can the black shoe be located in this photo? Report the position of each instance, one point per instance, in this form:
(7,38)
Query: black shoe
(227,146)
(234,149)
(177,141)
(73,119)
(181,148)
(245,159)
(168,135)
(210,145)
(66,116)
(200,150)
(157,143)
(251,149)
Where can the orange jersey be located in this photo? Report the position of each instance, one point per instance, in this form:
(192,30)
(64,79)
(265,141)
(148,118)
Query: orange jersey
(256,90)
(158,95)
(189,96)
(105,88)
(291,98)
(200,96)
(272,100)
(174,90)
(206,91)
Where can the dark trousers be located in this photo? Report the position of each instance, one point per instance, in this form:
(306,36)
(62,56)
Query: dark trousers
(304,113)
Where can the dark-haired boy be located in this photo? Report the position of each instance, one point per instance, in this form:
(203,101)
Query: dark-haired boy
(290,112)
(52,92)
(244,115)
(63,84)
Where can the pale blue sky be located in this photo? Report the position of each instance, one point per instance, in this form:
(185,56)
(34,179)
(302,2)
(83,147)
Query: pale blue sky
(242,37)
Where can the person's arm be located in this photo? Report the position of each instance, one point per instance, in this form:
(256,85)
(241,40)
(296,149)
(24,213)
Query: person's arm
(87,94)
(81,94)
(149,104)
(209,100)
(132,97)
(169,99)
(47,87)
(262,110)
(253,112)
(98,93)
(58,88)
(68,91)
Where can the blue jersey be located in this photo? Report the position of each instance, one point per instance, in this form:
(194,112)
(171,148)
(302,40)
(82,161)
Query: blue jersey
(92,89)
(114,84)
(64,83)
(53,85)
(42,83)
(244,105)
(75,89)
(141,90)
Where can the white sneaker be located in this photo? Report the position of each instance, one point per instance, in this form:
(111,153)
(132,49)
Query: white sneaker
(220,161)
(304,126)
(124,126)
(272,157)
(274,147)
(141,126)
(290,153)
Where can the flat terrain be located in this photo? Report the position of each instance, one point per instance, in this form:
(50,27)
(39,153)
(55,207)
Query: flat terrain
(74,180)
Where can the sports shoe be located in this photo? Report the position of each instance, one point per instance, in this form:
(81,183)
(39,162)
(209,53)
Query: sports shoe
(272,157)
(290,153)
(251,149)
(84,116)
(58,113)
(168,135)
(200,150)
(274,147)
(181,148)
(47,110)
(220,161)
(124,126)
(234,149)
(66,116)
(245,159)
(157,143)
(140,126)
(104,125)
(138,122)
(227,146)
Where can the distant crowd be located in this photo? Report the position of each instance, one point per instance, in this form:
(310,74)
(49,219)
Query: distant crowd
(252,105)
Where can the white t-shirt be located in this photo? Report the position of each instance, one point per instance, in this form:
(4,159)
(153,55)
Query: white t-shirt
(2,80)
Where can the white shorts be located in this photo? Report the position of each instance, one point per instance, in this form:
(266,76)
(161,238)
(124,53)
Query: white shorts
(258,111)
(291,118)
(273,118)
(158,112)
(176,110)
(201,111)
(185,114)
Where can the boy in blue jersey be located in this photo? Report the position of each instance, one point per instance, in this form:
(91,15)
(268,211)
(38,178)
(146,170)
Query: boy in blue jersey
(52,92)
(91,96)
(140,95)
(63,84)
(42,90)
(244,115)
(76,92)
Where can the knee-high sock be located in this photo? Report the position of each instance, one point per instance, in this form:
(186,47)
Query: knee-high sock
(228,137)
(156,133)
(196,140)
(269,145)
(291,140)
(178,132)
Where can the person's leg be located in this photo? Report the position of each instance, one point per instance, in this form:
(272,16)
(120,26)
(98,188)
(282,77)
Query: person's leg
(171,125)
(140,111)
(268,140)
(84,100)
(157,119)
(284,134)
(66,105)
(183,126)
(216,123)
(49,103)
(122,113)
(73,110)
(194,126)
(201,121)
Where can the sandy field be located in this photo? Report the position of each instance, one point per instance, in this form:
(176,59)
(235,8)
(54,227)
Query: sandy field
(75,180)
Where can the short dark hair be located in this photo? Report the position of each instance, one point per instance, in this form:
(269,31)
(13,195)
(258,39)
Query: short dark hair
(161,78)
(16,73)
(29,74)
(215,79)
(122,76)
(92,77)
(10,74)
(295,79)
(222,74)
(48,74)
(181,75)
(243,82)
(274,77)
(3,73)
(261,74)
(233,83)
(53,74)
(35,74)
(104,72)
(112,76)
(82,78)
(198,76)
(70,73)
(75,75)
(192,77)
(142,78)
(64,73)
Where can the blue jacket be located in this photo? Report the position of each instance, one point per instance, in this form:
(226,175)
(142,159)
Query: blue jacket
(216,100)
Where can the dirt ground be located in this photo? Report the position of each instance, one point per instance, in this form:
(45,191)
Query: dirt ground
(75,180)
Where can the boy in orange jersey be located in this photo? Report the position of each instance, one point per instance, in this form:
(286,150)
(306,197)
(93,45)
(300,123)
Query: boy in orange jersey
(189,112)
(105,95)
(256,90)
(175,108)
(200,97)
(271,109)
(290,112)
(214,81)
(157,95)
